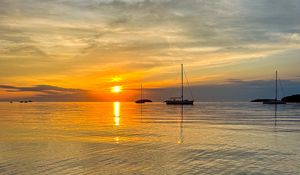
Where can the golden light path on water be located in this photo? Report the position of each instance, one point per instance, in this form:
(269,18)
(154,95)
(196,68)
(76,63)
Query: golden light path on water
(152,138)
(116,113)
(116,108)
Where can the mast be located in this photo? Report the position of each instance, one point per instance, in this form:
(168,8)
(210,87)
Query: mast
(182,83)
(276,87)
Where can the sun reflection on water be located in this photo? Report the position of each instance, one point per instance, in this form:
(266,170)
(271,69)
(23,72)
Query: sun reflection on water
(116,113)
(117,139)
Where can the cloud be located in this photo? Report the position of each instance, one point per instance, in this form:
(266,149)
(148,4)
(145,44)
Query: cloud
(46,89)
(25,51)
(50,93)
(199,23)
(55,40)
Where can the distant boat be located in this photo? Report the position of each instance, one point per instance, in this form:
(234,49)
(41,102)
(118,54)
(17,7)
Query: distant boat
(142,100)
(275,101)
(26,101)
(179,100)
(261,100)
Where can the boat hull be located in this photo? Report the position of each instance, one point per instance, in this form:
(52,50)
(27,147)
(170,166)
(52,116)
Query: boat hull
(143,101)
(186,102)
(274,102)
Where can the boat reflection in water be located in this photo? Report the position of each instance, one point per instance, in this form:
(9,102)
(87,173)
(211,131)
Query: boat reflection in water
(181,138)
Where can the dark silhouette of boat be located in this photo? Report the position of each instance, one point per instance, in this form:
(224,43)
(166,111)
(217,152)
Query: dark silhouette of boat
(26,101)
(179,100)
(261,100)
(275,101)
(142,100)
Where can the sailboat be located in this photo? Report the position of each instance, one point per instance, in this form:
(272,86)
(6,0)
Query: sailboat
(179,100)
(275,101)
(142,100)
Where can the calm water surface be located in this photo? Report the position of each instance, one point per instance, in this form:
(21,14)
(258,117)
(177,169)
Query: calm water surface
(129,138)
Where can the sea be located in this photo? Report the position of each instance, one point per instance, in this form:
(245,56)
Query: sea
(70,138)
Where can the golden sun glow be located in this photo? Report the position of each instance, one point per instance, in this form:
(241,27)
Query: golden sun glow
(116,89)
(116,79)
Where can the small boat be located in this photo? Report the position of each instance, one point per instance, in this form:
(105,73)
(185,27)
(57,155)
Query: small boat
(179,100)
(142,100)
(275,101)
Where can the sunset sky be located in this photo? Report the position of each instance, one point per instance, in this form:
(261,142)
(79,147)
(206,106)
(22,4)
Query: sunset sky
(79,50)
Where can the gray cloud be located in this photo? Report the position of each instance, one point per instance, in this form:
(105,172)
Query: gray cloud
(50,93)
(25,50)
(46,89)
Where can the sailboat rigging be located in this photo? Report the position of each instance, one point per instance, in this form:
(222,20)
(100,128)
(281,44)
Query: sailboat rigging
(142,100)
(275,101)
(179,100)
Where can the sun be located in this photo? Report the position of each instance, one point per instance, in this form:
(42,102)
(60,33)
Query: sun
(116,89)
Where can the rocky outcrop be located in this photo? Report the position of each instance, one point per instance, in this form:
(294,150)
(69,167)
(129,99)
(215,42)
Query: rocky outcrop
(292,99)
